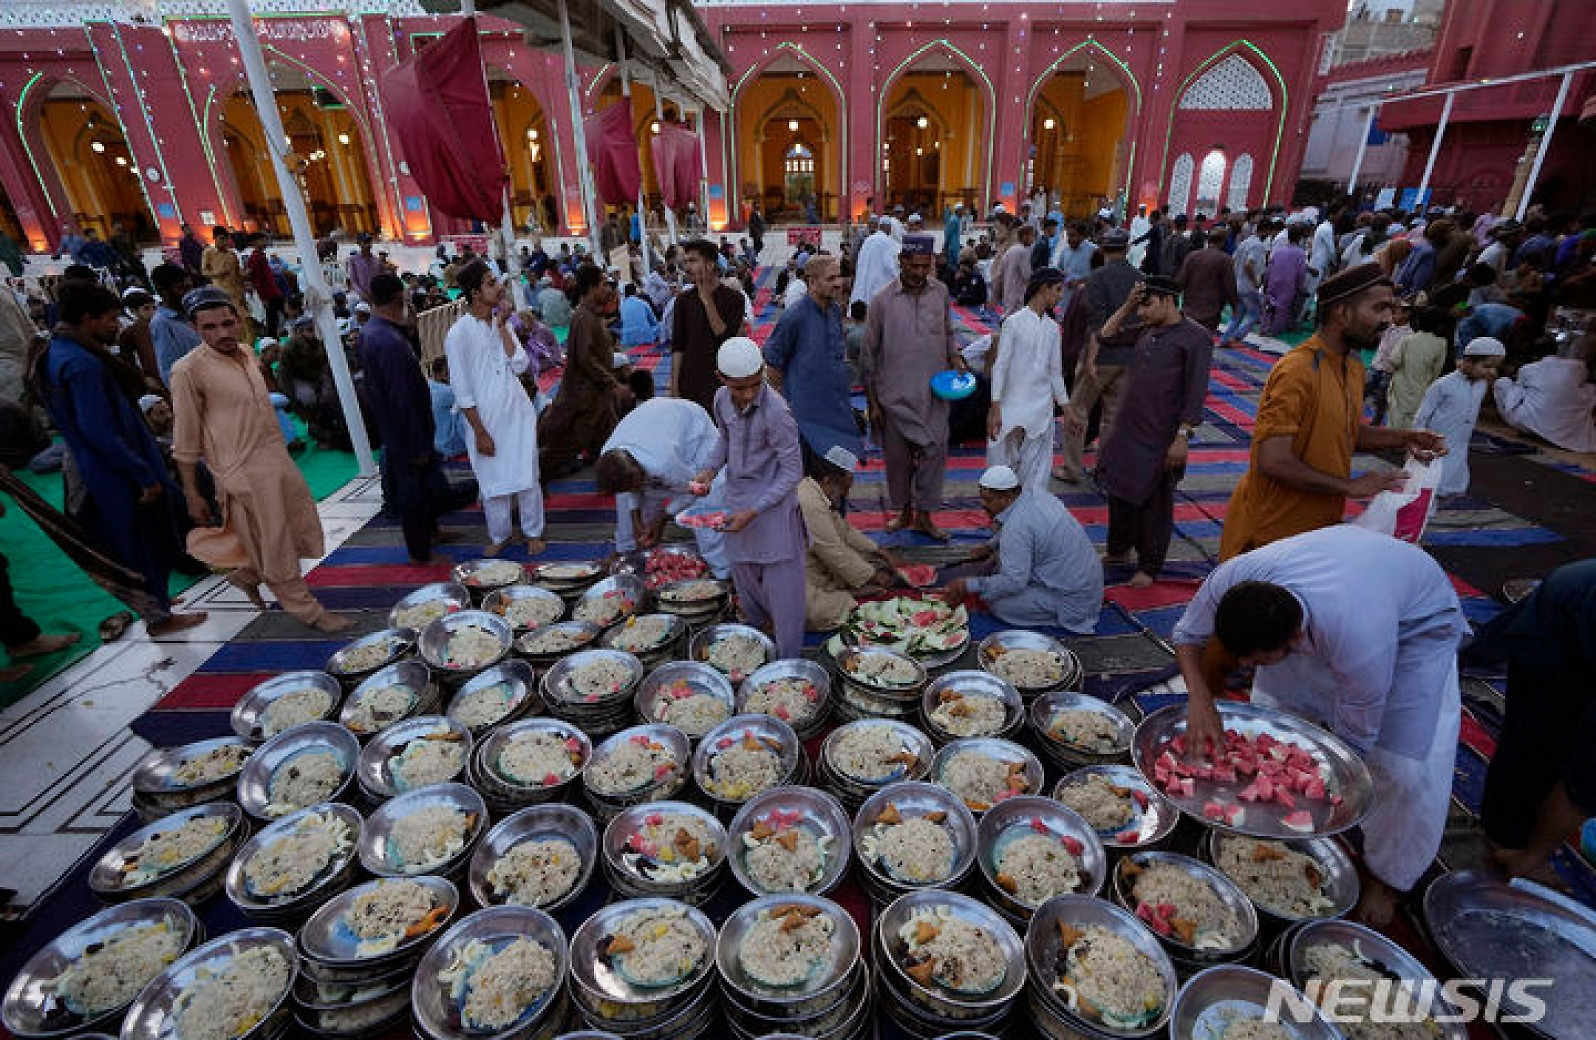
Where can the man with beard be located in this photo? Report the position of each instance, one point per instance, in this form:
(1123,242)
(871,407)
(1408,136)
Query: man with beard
(705,316)
(1309,423)
(806,359)
(225,416)
(582,416)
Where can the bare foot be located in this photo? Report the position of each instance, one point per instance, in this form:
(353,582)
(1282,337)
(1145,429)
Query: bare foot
(1140,580)
(1377,904)
(252,591)
(926,526)
(15,672)
(902,520)
(1067,476)
(178,623)
(43,644)
(332,624)
(495,548)
(534,546)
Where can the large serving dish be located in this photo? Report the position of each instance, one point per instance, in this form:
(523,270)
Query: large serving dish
(438,648)
(662,564)
(525,607)
(572,684)
(272,906)
(380,851)
(1045,953)
(1337,878)
(795,690)
(1212,1000)
(882,670)
(327,939)
(34,1006)
(1041,828)
(596,980)
(829,973)
(1378,958)
(690,695)
(745,755)
(439,995)
(389,695)
(495,696)
(154,1014)
(553,823)
(217,829)
(737,651)
(641,857)
(548,644)
(1349,789)
(1491,929)
(380,769)
(421,607)
(286,701)
(268,789)
(772,812)
(970,704)
(1149,818)
(649,636)
(484,576)
(370,653)
(1047,665)
(925,628)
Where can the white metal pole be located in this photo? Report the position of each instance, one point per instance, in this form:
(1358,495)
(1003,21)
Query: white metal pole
(1546,144)
(1435,150)
(670,214)
(317,296)
(703,177)
(1363,146)
(642,210)
(584,170)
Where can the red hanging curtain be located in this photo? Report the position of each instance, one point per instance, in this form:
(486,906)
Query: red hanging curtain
(442,117)
(677,164)
(612,149)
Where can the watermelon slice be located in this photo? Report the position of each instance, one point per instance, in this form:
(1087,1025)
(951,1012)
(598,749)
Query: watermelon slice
(918,575)
(1300,821)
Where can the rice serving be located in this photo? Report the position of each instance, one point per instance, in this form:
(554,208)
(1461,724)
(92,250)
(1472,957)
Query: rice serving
(783,855)
(367,656)
(540,759)
(603,610)
(1104,977)
(420,615)
(669,848)
(536,872)
(295,708)
(380,707)
(1104,804)
(872,754)
(110,973)
(1036,867)
(494,989)
(969,715)
(429,837)
(289,864)
(736,654)
(165,851)
(531,611)
(305,779)
(1030,669)
(794,701)
(946,949)
(742,768)
(471,646)
(218,763)
(483,707)
(493,573)
(689,709)
(567,571)
(787,946)
(917,849)
(634,764)
(554,640)
(1255,1029)
(390,912)
(229,1003)
(982,780)
(1177,905)
(603,677)
(883,670)
(1088,730)
(1328,962)
(1281,879)
(431,759)
(655,947)
(691,592)
(641,633)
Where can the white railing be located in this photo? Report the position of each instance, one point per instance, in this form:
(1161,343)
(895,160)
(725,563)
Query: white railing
(56,14)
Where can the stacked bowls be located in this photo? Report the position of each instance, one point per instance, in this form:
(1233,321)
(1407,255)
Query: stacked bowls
(984,772)
(690,695)
(182,856)
(610,601)
(525,607)
(289,700)
(592,689)
(929,990)
(436,638)
(542,647)
(387,695)
(300,767)
(168,780)
(543,856)
(831,998)
(447,820)
(643,764)
(1191,957)
(758,841)
(852,765)
(530,940)
(294,842)
(910,837)
(736,651)
(1229,993)
(1060,668)
(653,638)
(558,749)
(1075,730)
(247,952)
(795,690)
(670,849)
(745,755)
(663,986)
(495,697)
(1055,1009)
(356,976)
(1252,862)
(566,578)
(484,577)
(697,601)
(1030,849)
(361,658)
(420,608)
(878,683)
(970,704)
(436,747)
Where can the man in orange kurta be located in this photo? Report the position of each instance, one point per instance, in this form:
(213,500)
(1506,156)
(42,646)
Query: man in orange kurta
(223,415)
(1310,423)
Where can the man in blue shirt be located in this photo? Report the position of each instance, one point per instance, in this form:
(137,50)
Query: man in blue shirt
(449,425)
(807,355)
(639,327)
(170,331)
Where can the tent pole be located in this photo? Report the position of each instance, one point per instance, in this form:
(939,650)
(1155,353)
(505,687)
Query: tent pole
(317,295)
(642,210)
(584,170)
(1545,145)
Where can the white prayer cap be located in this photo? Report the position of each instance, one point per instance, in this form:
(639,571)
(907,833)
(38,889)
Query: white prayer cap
(1485,346)
(362,307)
(739,358)
(149,401)
(999,478)
(842,458)
(619,359)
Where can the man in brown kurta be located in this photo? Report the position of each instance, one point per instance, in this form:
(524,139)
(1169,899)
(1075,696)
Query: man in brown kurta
(224,416)
(908,339)
(1208,282)
(707,314)
(582,415)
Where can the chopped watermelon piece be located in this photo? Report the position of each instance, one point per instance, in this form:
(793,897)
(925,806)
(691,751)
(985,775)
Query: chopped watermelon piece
(1283,796)
(1072,845)
(1300,821)
(918,575)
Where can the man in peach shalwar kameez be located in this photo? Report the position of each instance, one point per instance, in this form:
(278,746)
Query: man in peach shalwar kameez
(223,415)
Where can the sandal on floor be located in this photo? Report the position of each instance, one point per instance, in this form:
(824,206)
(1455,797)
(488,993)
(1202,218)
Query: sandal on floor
(112,628)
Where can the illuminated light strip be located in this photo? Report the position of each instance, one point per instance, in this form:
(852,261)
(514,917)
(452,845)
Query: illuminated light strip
(210,156)
(116,113)
(1180,91)
(373,93)
(599,77)
(22,98)
(201,128)
(844,185)
(160,156)
(881,101)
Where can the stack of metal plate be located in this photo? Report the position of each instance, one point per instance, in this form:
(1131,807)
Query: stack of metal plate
(928,996)
(1235,943)
(485,577)
(830,998)
(642,764)
(671,849)
(1031,849)
(1054,1001)
(182,855)
(970,704)
(858,759)
(296,863)
(983,772)
(300,767)
(736,651)
(566,578)
(542,647)
(645,968)
(416,610)
(744,756)
(455,994)
(690,695)
(878,683)
(1222,996)
(771,837)
(542,856)
(169,780)
(1075,729)
(1120,805)
(389,695)
(912,836)
(359,659)
(555,751)
(1254,865)
(609,601)
(212,976)
(1049,664)
(653,638)
(436,644)
(431,830)
(697,601)
(795,690)
(285,701)
(592,689)
(496,697)
(427,749)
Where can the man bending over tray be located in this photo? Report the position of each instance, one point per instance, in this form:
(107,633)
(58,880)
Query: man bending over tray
(1358,632)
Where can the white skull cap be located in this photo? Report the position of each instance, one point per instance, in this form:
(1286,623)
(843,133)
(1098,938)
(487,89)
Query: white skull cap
(999,478)
(739,358)
(842,458)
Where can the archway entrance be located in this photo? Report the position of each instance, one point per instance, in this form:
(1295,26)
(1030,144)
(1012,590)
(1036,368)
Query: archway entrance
(10,223)
(85,143)
(524,134)
(935,137)
(787,110)
(1078,122)
(328,153)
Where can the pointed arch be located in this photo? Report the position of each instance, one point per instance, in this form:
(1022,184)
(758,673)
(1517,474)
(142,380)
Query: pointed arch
(794,51)
(1265,66)
(1091,51)
(30,106)
(1122,70)
(1179,196)
(1240,182)
(973,70)
(1211,181)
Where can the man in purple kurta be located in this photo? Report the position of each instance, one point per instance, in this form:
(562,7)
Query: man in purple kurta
(765,538)
(1285,277)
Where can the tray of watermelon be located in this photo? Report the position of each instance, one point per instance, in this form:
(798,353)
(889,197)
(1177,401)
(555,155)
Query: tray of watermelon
(1277,776)
(928,630)
(704,515)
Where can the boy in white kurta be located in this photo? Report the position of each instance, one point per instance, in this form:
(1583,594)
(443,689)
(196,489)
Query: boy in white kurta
(1027,381)
(1451,406)
(1359,632)
(485,367)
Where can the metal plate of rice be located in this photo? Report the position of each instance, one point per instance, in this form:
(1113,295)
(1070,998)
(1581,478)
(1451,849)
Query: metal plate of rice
(157,858)
(796,691)
(871,753)
(992,970)
(236,986)
(86,975)
(610,601)
(1287,880)
(745,755)
(592,679)
(817,859)
(289,700)
(1032,662)
(305,766)
(525,607)
(388,695)
(427,749)
(205,764)
(465,642)
(363,656)
(1321,951)
(421,607)
(1132,952)
(1119,804)
(782,949)
(664,846)
(692,696)
(295,860)
(735,650)
(892,836)
(495,696)
(682,954)
(1223,921)
(430,830)
(1215,1001)
(1032,849)
(482,576)
(1079,729)
(970,704)
(550,642)
(551,753)
(541,856)
(378,922)
(495,972)
(986,771)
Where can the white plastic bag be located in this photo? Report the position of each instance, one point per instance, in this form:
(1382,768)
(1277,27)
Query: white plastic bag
(1403,514)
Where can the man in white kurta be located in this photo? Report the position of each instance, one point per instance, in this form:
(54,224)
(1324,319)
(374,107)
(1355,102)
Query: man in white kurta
(1552,398)
(653,455)
(1451,407)
(876,264)
(1358,632)
(485,367)
(1027,381)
